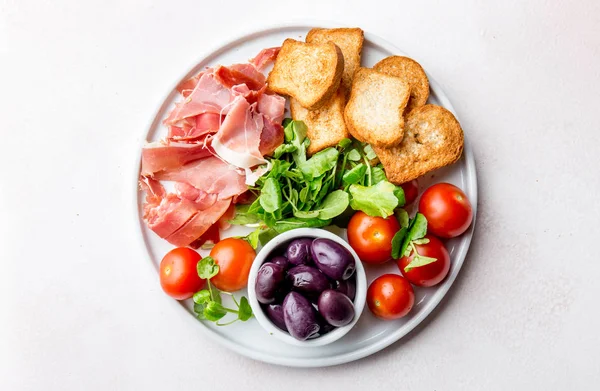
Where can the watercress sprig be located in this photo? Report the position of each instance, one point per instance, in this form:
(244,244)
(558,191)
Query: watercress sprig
(411,233)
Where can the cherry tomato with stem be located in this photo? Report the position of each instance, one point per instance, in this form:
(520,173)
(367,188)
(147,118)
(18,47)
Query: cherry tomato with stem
(429,274)
(178,276)
(234,257)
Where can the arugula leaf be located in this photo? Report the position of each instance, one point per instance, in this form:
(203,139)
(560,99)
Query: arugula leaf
(397,242)
(207,268)
(270,195)
(245,311)
(284,148)
(369,152)
(345,143)
(377,200)
(355,175)
(418,261)
(333,205)
(306,214)
(293,222)
(303,194)
(319,163)
(299,140)
(243,216)
(377,175)
(278,168)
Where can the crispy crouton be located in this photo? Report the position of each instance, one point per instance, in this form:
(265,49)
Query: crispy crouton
(308,72)
(350,41)
(326,127)
(433,139)
(374,113)
(411,72)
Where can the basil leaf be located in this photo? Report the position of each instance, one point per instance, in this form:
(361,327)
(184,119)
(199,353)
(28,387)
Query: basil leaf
(418,228)
(377,200)
(245,311)
(207,268)
(319,163)
(353,155)
(402,217)
(270,196)
(345,143)
(418,261)
(355,175)
(293,222)
(377,175)
(333,205)
(243,216)
(214,311)
(397,241)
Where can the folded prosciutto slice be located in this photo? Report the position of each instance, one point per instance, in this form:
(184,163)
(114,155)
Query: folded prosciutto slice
(240,74)
(199,223)
(265,57)
(160,155)
(211,175)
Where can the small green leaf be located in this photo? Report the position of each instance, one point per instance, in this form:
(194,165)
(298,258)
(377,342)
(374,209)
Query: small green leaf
(243,216)
(399,193)
(202,297)
(354,175)
(353,155)
(369,152)
(199,310)
(345,143)
(266,235)
(377,175)
(333,205)
(405,250)
(306,214)
(207,268)
(377,200)
(397,241)
(286,122)
(252,238)
(294,222)
(303,194)
(418,228)
(402,216)
(270,196)
(319,163)
(418,261)
(214,311)
(245,311)
(421,241)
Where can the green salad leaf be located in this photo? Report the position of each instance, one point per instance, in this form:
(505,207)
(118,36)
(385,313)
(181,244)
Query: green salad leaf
(377,200)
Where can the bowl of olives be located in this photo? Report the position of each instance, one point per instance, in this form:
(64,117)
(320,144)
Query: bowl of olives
(307,287)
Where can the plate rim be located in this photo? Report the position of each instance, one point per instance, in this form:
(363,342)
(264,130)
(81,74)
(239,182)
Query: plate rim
(462,249)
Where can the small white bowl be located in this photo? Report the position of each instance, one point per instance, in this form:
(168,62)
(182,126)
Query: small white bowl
(264,255)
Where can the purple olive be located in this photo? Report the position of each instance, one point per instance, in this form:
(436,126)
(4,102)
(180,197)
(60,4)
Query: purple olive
(324,327)
(275,314)
(347,287)
(281,261)
(299,316)
(336,308)
(298,251)
(307,280)
(333,259)
(269,280)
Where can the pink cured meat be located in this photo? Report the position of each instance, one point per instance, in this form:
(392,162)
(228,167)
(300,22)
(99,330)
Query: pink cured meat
(272,106)
(203,124)
(239,137)
(209,96)
(265,57)
(240,74)
(198,224)
(159,156)
(271,137)
(211,175)
(201,199)
(168,216)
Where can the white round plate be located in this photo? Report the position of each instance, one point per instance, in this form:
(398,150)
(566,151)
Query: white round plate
(370,335)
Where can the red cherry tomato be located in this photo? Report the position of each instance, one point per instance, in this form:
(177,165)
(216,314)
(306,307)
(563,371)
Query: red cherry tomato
(371,237)
(411,191)
(447,209)
(390,296)
(432,273)
(234,257)
(178,276)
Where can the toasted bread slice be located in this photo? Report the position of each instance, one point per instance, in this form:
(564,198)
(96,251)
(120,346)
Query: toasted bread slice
(350,41)
(326,126)
(411,72)
(309,72)
(374,113)
(433,138)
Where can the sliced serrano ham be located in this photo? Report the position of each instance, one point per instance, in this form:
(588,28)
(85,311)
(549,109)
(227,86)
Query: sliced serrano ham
(198,224)
(160,155)
(265,57)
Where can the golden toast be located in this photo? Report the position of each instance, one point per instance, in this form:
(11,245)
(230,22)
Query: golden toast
(411,72)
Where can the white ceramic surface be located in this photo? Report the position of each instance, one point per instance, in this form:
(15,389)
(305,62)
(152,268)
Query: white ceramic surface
(370,334)
(263,256)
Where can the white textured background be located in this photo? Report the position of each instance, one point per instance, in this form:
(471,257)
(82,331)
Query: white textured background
(79,309)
